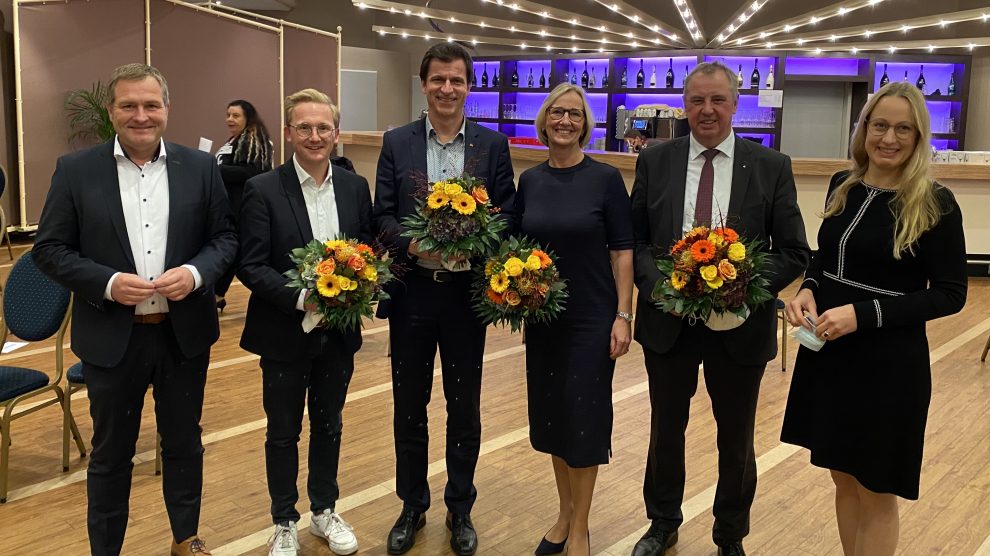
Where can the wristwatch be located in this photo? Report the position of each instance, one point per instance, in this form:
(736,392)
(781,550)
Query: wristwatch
(628,317)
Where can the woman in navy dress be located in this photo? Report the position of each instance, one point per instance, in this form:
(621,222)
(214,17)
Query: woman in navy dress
(579,209)
(891,256)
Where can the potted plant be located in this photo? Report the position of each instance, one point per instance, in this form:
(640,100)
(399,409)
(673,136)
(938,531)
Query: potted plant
(87,113)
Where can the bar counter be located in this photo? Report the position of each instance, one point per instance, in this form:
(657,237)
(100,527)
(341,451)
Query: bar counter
(969,182)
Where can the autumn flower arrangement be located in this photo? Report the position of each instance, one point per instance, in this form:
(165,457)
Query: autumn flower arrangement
(343,277)
(712,272)
(519,284)
(455,218)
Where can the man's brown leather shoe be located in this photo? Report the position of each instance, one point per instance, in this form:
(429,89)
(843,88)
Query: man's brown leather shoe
(189,547)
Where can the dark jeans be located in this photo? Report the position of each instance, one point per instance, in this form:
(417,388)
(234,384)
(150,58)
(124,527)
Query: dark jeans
(116,399)
(734,390)
(430,314)
(287,387)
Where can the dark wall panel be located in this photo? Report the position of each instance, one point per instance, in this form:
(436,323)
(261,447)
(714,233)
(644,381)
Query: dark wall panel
(310,62)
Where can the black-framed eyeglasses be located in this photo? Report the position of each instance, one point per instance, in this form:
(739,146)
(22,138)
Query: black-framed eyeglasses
(305,131)
(880,128)
(557,113)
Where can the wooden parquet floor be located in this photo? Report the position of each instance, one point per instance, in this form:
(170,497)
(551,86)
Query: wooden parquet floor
(792,515)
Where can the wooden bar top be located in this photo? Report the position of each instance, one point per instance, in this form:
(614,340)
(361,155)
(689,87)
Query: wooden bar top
(626,161)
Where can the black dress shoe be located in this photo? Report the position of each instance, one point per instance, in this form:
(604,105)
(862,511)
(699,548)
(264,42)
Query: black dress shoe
(463,538)
(402,537)
(546,547)
(731,549)
(655,542)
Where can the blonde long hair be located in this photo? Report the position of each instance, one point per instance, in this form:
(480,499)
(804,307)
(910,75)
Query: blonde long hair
(915,206)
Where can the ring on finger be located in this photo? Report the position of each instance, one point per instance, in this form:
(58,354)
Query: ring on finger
(825,334)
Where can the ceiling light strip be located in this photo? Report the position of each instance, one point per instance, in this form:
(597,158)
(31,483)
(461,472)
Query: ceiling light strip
(738,19)
(534,45)
(807,19)
(898,46)
(641,18)
(573,19)
(688,15)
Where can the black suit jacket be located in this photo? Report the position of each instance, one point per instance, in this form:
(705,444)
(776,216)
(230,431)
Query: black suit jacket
(274,221)
(402,168)
(762,205)
(82,241)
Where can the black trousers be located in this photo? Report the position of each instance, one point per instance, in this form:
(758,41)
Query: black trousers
(116,399)
(286,389)
(734,390)
(427,315)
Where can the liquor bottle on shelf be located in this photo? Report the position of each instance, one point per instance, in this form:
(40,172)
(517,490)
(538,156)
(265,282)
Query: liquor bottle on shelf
(686,72)
(584,76)
(640,76)
(529,80)
(495,79)
(905,76)
(567,76)
(653,77)
(543,79)
(593,81)
(951,90)
(605,79)
(514,80)
(739,79)
(920,83)
(754,79)
(884,79)
(669,80)
(623,80)
(770,78)
(574,77)
(484,77)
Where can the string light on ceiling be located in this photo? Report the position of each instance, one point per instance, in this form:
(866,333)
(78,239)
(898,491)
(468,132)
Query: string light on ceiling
(737,20)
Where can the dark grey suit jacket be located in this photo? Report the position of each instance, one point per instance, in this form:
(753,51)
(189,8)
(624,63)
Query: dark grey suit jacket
(762,206)
(274,221)
(82,241)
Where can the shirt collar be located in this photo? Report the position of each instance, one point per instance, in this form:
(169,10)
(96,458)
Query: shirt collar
(726,147)
(118,151)
(430,132)
(303,175)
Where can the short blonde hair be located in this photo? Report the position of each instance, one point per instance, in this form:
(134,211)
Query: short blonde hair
(310,95)
(137,72)
(559,91)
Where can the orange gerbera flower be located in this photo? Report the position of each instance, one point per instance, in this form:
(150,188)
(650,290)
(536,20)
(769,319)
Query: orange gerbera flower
(702,250)
(495,297)
(364,248)
(544,258)
(678,247)
(729,234)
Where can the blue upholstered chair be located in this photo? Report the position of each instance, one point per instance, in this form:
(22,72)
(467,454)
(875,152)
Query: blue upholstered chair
(75,382)
(779,304)
(34,309)
(3,216)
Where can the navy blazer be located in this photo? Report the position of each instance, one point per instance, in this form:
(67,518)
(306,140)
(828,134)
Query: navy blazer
(402,169)
(762,206)
(274,221)
(82,241)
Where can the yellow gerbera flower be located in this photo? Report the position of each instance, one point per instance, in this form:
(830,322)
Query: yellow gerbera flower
(463,203)
(437,199)
(678,280)
(514,266)
(499,282)
(452,189)
(737,252)
(327,285)
(334,244)
(533,263)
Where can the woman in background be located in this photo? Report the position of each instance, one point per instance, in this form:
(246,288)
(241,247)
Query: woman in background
(891,256)
(246,154)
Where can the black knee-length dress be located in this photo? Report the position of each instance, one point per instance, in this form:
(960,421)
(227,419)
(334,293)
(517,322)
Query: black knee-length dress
(580,213)
(861,403)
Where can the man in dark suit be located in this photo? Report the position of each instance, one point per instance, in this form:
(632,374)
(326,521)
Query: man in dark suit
(284,209)
(433,304)
(691,180)
(140,230)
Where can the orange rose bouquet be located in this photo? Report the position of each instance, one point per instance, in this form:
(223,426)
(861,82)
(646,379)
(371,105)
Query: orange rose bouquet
(710,274)
(343,277)
(455,218)
(519,284)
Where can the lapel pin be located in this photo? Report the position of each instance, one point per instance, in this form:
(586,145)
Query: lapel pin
(470,144)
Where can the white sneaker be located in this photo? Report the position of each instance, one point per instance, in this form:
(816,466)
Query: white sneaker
(284,541)
(336,531)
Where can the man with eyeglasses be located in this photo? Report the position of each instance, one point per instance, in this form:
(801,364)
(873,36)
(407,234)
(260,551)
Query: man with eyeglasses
(284,209)
(711,177)
(432,305)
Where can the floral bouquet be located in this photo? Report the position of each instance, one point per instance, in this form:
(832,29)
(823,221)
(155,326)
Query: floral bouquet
(519,284)
(714,276)
(343,278)
(455,218)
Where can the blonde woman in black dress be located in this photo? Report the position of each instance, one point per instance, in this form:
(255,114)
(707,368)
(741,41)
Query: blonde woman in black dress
(891,256)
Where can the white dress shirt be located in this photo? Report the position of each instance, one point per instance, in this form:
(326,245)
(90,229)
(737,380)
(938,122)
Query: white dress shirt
(722,187)
(144,197)
(321,206)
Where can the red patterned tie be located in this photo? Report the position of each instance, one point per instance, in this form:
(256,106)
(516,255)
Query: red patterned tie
(706,190)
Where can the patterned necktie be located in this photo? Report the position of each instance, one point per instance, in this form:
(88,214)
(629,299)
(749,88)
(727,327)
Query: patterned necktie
(706,190)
